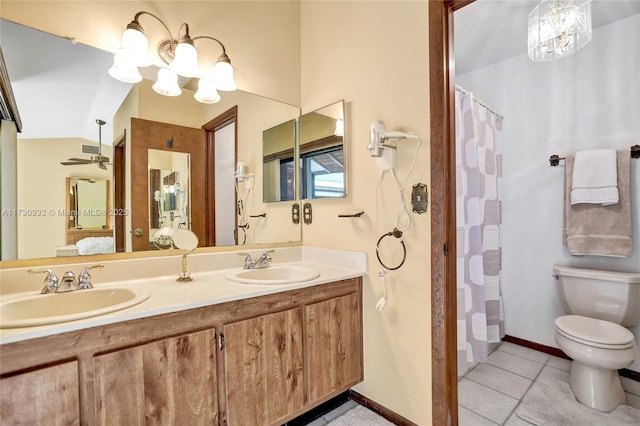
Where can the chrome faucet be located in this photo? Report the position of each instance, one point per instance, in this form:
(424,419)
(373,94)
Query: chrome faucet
(260,263)
(51,282)
(84,279)
(69,282)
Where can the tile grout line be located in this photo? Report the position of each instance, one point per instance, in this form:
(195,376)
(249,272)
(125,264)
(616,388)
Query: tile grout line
(533,381)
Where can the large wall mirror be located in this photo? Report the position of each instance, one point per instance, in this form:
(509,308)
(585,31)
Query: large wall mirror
(170,190)
(321,151)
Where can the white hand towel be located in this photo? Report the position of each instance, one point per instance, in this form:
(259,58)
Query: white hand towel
(595,178)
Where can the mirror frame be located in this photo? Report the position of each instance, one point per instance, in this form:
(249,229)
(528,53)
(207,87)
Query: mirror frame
(73,207)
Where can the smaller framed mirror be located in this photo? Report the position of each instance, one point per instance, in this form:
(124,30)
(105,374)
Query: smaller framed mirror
(88,216)
(278,162)
(321,151)
(169,192)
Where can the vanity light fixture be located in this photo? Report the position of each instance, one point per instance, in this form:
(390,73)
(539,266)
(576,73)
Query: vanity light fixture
(181,58)
(558,28)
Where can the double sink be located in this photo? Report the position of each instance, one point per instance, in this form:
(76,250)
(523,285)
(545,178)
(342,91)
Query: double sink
(42,309)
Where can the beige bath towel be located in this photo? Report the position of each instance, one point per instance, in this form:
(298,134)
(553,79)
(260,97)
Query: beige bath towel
(596,230)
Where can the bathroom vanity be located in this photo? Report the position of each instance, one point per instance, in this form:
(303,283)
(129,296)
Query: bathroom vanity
(258,360)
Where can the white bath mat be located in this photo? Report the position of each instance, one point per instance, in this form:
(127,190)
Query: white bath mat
(548,392)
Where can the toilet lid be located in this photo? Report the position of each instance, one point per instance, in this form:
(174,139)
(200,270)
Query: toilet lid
(593,330)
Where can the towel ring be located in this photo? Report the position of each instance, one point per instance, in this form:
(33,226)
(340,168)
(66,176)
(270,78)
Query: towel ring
(398,234)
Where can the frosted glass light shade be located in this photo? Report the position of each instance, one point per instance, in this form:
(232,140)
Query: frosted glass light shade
(167,83)
(124,71)
(134,47)
(207,93)
(223,76)
(185,61)
(558,28)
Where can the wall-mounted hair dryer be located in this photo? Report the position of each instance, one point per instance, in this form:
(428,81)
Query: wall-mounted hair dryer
(241,175)
(241,171)
(378,137)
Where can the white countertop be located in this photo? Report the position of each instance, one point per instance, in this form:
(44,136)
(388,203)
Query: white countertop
(209,287)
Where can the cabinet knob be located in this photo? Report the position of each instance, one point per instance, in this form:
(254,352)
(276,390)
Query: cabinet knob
(138,232)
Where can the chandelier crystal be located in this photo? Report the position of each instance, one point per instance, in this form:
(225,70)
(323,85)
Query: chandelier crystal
(558,28)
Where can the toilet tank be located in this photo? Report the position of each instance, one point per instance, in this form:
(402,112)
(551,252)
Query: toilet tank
(595,293)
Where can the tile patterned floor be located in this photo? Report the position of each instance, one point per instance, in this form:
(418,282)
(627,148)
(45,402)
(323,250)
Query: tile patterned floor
(351,414)
(490,393)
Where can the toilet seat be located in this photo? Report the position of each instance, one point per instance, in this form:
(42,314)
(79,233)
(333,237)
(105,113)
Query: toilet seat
(594,332)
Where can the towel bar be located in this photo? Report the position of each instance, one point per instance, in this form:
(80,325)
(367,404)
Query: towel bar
(351,214)
(554,159)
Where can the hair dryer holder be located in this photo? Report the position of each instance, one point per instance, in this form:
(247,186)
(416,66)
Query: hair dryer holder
(384,153)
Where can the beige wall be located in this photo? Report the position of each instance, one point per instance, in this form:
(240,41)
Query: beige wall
(375,56)
(261,37)
(41,187)
(8,190)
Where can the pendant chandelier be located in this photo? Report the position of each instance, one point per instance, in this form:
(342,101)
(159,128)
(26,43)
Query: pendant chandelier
(558,28)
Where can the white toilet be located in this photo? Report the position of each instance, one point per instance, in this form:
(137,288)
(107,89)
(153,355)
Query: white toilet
(601,303)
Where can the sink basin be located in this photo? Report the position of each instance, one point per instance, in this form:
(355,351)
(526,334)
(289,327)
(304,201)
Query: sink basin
(41,309)
(275,275)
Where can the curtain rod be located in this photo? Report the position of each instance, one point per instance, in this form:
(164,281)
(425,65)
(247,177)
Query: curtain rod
(479,102)
(554,159)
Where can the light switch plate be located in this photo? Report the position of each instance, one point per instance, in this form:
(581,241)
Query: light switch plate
(419,198)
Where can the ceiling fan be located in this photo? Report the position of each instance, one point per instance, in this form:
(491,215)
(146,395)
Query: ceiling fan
(99,159)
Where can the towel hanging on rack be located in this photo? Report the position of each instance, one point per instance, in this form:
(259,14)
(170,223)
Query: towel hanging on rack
(595,177)
(594,229)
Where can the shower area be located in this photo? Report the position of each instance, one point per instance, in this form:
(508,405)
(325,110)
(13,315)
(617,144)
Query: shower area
(480,314)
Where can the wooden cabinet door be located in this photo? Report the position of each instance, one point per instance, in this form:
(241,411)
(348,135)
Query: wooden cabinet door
(47,396)
(168,382)
(263,366)
(334,345)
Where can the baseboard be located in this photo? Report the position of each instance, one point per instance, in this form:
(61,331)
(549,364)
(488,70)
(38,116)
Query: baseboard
(319,410)
(537,346)
(393,417)
(630,374)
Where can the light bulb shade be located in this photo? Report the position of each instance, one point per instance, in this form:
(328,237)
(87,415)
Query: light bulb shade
(124,71)
(207,93)
(167,83)
(134,47)
(558,28)
(185,61)
(223,76)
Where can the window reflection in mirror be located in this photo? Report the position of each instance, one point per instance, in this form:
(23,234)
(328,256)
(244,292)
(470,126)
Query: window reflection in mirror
(168,192)
(322,164)
(278,165)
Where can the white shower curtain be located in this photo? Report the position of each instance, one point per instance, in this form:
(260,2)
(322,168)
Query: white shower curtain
(479,217)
